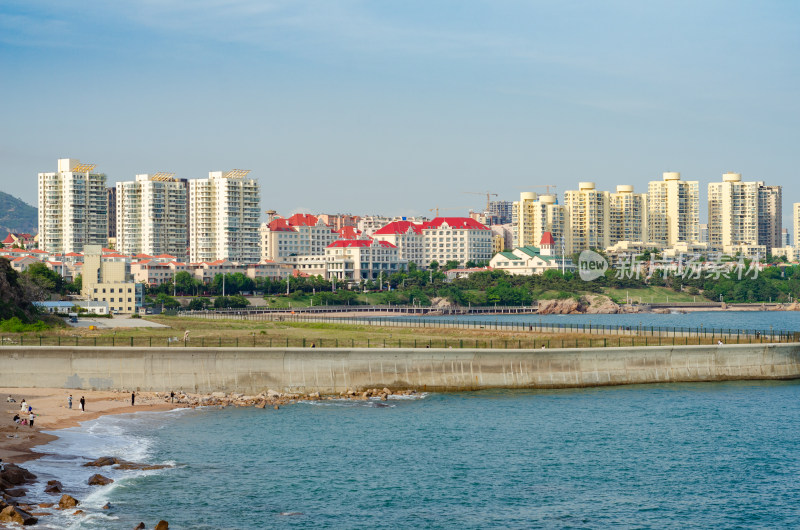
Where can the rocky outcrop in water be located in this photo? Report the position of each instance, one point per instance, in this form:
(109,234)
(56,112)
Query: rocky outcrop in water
(99,480)
(13,514)
(67,501)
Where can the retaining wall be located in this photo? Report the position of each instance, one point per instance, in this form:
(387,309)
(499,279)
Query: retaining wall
(252,370)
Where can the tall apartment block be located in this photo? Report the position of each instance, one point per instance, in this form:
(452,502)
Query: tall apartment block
(770,216)
(111,203)
(673,210)
(627,215)
(73,207)
(151,214)
(533,215)
(588,217)
(500,212)
(743,213)
(224,212)
(796,219)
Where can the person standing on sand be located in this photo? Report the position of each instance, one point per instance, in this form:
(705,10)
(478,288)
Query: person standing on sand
(172,396)
(83,404)
(133,398)
(31,417)
(69,402)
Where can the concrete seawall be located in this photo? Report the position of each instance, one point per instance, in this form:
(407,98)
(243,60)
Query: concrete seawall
(333,370)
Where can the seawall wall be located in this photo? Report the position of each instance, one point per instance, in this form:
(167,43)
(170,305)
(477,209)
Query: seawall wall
(334,370)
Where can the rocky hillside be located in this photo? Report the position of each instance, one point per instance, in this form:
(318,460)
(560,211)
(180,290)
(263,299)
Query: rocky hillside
(17,216)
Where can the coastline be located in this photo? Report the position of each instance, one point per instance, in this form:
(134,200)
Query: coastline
(50,407)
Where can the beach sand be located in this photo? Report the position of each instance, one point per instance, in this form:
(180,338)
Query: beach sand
(50,407)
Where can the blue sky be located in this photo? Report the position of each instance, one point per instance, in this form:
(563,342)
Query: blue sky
(399,107)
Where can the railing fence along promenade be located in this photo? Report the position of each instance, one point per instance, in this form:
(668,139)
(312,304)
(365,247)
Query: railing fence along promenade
(660,335)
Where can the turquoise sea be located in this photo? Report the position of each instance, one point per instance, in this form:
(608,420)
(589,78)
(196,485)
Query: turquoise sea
(745,320)
(718,455)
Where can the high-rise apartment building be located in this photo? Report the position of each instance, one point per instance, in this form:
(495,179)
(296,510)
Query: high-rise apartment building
(796,219)
(224,212)
(770,216)
(588,217)
(627,215)
(151,214)
(500,212)
(743,213)
(533,215)
(73,207)
(673,210)
(786,239)
(111,215)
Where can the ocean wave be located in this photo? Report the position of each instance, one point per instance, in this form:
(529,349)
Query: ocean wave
(125,436)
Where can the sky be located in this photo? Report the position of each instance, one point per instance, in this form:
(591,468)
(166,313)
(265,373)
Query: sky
(399,107)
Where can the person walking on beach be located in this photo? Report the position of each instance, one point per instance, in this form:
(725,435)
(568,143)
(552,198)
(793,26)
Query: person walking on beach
(30,419)
(69,402)
(133,398)
(23,407)
(172,396)
(83,404)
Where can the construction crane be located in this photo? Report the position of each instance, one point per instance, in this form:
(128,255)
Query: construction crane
(546,186)
(488,194)
(437,208)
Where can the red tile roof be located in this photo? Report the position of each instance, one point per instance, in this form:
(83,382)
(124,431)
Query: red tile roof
(547,239)
(302,219)
(399,227)
(358,243)
(280,225)
(349,232)
(9,240)
(455,222)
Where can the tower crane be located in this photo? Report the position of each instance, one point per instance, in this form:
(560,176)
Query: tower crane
(488,194)
(437,208)
(546,186)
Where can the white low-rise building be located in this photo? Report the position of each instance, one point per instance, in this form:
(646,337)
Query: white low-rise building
(362,259)
(530,260)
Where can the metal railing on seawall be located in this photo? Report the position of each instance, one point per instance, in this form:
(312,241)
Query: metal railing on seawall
(531,341)
(381,308)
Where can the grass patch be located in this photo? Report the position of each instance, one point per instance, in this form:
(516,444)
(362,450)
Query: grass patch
(649,295)
(15,325)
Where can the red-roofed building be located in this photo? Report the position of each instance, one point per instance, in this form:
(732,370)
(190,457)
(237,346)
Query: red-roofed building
(298,235)
(349,232)
(362,259)
(408,239)
(443,239)
(339,221)
(460,239)
(21,240)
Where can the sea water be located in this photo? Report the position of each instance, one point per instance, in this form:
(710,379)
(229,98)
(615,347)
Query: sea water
(763,321)
(673,455)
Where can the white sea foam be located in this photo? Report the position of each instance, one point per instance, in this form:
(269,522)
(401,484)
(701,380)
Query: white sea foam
(114,435)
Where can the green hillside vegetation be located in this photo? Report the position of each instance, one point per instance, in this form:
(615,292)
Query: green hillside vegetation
(415,286)
(17,216)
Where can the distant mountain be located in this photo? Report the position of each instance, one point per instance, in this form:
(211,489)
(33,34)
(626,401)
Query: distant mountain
(17,216)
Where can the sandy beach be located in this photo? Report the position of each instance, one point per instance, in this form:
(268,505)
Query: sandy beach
(52,413)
